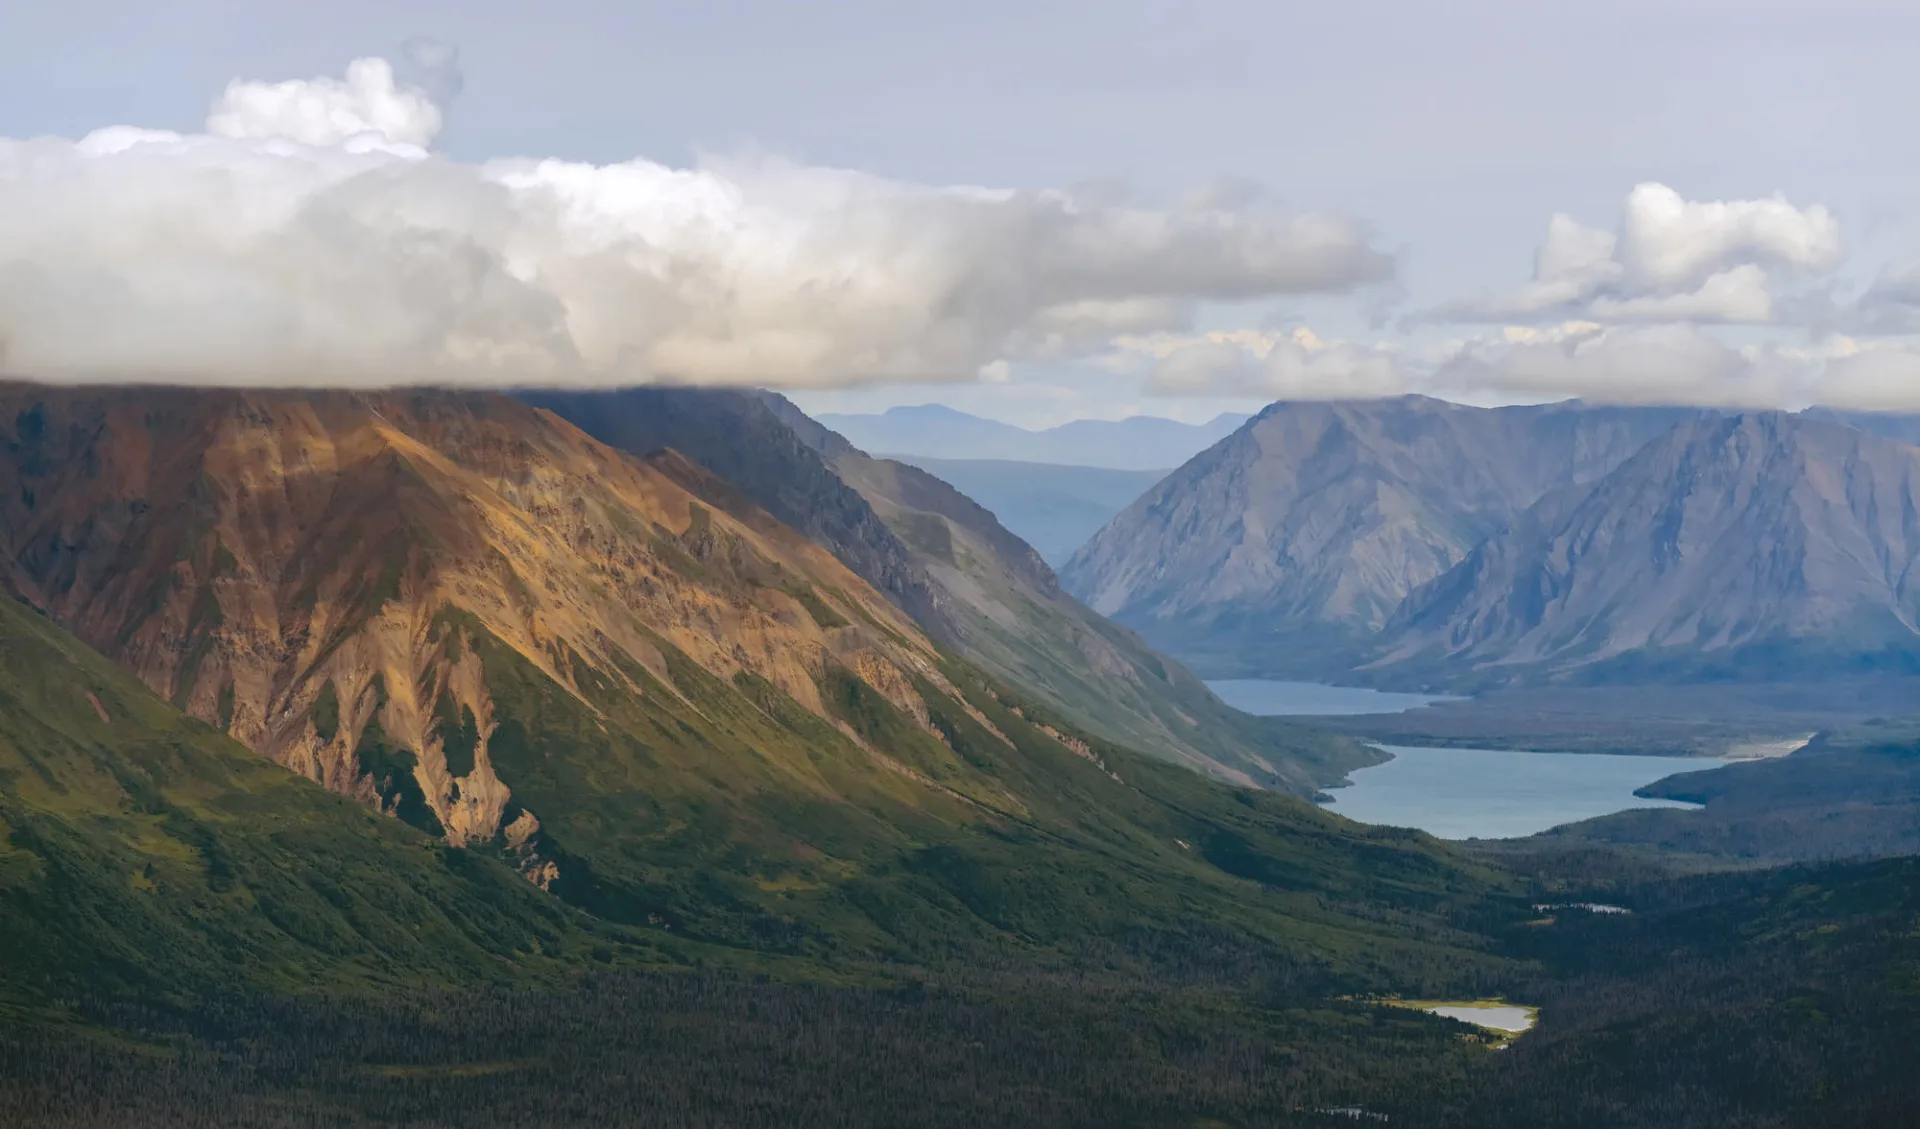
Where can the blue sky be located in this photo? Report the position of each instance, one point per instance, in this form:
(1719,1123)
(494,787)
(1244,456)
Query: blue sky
(1449,134)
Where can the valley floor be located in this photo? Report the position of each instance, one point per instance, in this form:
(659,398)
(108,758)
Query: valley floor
(1780,999)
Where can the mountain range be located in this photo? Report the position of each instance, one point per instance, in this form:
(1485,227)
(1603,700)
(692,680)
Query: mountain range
(1419,541)
(933,431)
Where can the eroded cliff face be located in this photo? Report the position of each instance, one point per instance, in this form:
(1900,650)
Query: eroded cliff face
(311,572)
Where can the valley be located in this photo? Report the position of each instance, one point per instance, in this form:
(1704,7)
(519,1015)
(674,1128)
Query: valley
(406,756)
(931,566)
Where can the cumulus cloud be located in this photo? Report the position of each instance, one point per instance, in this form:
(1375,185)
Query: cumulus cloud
(1668,242)
(326,111)
(310,235)
(1671,259)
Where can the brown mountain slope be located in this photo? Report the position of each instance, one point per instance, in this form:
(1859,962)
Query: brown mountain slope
(663,705)
(969,582)
(1282,548)
(1758,544)
(281,565)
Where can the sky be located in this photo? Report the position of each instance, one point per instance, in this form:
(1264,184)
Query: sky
(1034,211)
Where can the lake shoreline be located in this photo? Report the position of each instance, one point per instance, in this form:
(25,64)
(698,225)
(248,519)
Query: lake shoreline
(1481,794)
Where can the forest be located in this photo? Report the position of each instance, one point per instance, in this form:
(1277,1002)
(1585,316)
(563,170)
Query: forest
(1785,997)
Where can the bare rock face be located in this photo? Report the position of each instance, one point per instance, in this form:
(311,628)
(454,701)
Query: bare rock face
(1765,541)
(1317,519)
(310,572)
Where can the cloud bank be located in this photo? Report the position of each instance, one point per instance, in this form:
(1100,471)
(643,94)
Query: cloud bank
(1659,364)
(310,235)
(1632,315)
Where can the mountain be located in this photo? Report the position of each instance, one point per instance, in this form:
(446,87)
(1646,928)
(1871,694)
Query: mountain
(1751,545)
(1284,547)
(935,432)
(326,576)
(988,595)
(1052,508)
(621,677)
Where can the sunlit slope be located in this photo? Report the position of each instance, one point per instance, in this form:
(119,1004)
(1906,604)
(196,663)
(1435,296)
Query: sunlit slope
(964,578)
(657,702)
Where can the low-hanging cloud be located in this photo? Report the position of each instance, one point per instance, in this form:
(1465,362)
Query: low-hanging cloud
(1295,365)
(1654,364)
(311,235)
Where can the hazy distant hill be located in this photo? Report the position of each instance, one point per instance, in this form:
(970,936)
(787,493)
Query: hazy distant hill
(1287,545)
(936,432)
(1053,508)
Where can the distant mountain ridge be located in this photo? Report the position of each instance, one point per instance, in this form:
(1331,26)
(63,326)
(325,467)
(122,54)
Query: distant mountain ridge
(934,431)
(1299,535)
(1755,544)
(1414,541)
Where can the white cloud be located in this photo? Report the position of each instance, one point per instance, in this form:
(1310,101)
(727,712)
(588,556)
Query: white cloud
(1655,364)
(1668,364)
(1670,260)
(1569,267)
(1735,296)
(326,111)
(1289,366)
(1667,242)
(309,236)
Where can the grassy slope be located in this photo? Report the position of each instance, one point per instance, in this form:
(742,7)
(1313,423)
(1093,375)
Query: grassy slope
(725,813)
(147,853)
(143,852)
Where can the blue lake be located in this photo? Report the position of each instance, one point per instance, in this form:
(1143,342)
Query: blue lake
(1499,793)
(1303,699)
(1464,793)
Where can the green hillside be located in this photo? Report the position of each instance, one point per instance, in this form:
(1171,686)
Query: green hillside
(141,852)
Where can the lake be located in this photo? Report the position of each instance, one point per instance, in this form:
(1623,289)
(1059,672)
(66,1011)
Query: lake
(1463,793)
(1305,699)
(1500,793)
(1499,1017)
